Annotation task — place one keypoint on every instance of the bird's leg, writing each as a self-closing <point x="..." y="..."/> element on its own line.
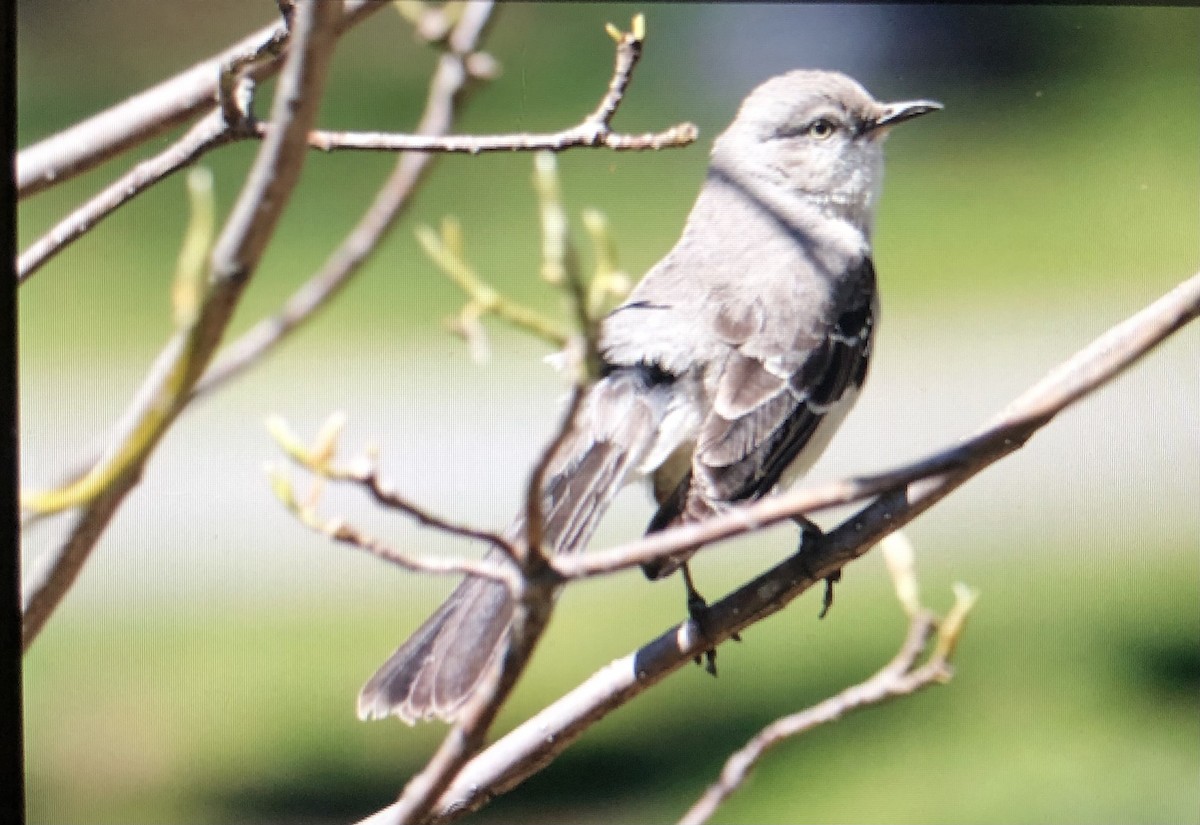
<point x="810" y="532"/>
<point x="697" y="607"/>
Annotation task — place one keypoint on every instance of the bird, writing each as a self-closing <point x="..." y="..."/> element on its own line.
<point x="725" y="372"/>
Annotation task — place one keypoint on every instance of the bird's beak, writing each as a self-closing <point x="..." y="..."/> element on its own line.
<point x="892" y="113"/>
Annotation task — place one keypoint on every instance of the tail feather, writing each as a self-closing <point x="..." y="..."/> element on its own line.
<point x="438" y="668"/>
<point x="420" y="680"/>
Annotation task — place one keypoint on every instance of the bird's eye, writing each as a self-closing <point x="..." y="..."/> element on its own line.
<point x="821" y="129"/>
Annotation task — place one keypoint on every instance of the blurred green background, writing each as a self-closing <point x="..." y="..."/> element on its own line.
<point x="205" y="667"/>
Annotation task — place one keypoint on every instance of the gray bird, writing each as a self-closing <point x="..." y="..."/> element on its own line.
<point x="727" y="370"/>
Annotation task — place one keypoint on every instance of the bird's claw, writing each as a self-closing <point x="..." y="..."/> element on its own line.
<point x="697" y="607"/>
<point x="810" y="531"/>
<point x="827" y="600"/>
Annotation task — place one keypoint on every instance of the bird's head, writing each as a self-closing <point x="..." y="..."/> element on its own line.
<point x="818" y="135"/>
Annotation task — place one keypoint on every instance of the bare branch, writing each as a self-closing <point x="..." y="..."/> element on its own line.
<point x="593" y="131"/>
<point x="234" y="259"/>
<point x="537" y="742"/>
<point x="209" y="132"/>
<point x="149" y="113"/>
<point x="343" y="532"/>
<point x="383" y="494"/>
<point x="924" y="482"/>
<point x="897" y="678"/>
<point x="629" y="52"/>
<point x="584" y="135"/>
<point x="365" y="473"/>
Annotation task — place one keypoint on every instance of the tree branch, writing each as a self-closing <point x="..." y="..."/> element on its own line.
<point x="364" y="473"/>
<point x="208" y="133"/>
<point x="344" y="533"/>
<point x="922" y="483"/>
<point x="594" y="130"/>
<point x="234" y="259"/>
<point x="589" y="135"/>
<point x="538" y="741"/>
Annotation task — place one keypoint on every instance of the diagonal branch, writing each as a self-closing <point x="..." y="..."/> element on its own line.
<point x="209" y="132"/>
<point x="924" y="482"/>
<point x="539" y="740"/>
<point x="234" y="259"/>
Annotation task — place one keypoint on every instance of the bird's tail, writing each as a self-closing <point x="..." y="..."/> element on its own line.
<point x="438" y="668"/>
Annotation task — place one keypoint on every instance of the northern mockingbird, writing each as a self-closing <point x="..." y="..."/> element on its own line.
<point x="727" y="370"/>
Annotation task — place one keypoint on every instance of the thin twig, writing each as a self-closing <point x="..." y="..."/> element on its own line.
<point x="899" y="677"/>
<point x="365" y="474"/>
<point x="445" y="250"/>
<point x="392" y="500"/>
<point x="584" y="135"/>
<point x="538" y="741"/>
<point x="343" y="532"/>
<point x="234" y="259"/>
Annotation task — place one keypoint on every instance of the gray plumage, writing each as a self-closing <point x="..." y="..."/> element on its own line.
<point x="728" y="368"/>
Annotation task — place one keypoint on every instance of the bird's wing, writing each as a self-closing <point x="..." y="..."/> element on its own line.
<point x="764" y="414"/>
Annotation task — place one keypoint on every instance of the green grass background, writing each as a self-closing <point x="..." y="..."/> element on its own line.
<point x="1070" y="182"/>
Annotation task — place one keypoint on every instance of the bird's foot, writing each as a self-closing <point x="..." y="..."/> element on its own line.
<point x="697" y="607"/>
<point x="827" y="599"/>
<point x="809" y="533"/>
